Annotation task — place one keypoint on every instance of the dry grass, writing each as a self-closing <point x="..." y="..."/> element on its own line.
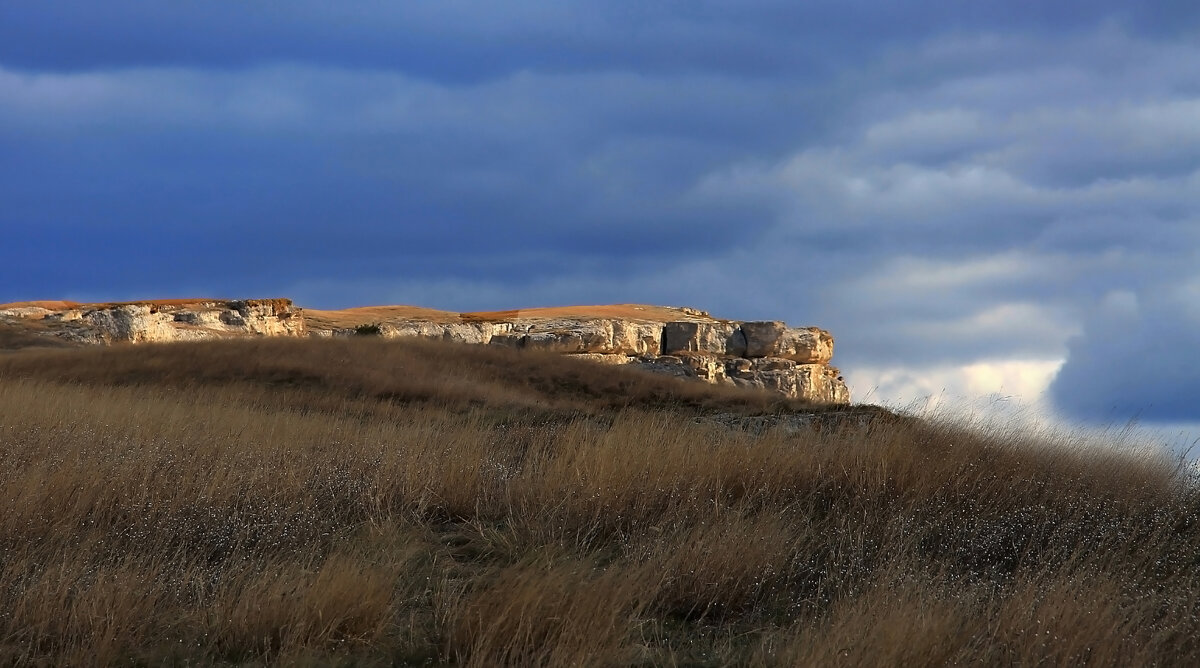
<point x="622" y="311"/>
<point x="380" y="374"/>
<point x="24" y="335"/>
<point x="365" y="315"/>
<point x="378" y="502"/>
<point x="53" y="305"/>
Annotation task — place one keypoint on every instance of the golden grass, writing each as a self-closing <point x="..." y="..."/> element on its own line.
<point x="26" y="335"/>
<point x="351" y="317"/>
<point x="365" y="315"/>
<point x="624" y="311"/>
<point x="53" y="305"/>
<point x="383" y="374"/>
<point x="377" y="502"/>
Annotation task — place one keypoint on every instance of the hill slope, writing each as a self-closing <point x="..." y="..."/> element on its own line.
<point x="675" y="341"/>
<point x="385" y="502"/>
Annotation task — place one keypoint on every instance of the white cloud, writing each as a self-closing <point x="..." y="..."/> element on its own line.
<point x="932" y="386"/>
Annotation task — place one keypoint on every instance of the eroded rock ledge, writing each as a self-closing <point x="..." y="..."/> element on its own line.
<point x="769" y="355"/>
<point x="682" y="342"/>
<point x="174" y="320"/>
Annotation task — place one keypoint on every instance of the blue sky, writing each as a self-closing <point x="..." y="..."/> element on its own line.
<point x="983" y="198"/>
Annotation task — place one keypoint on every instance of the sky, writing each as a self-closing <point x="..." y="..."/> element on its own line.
<point x="986" y="199"/>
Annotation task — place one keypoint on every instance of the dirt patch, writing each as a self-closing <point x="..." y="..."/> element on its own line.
<point x="621" y="311"/>
<point x="53" y="305"/>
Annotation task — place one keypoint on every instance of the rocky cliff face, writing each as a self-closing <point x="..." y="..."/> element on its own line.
<point x="148" y="322"/>
<point x="682" y="342"/>
<point x="768" y="355"/>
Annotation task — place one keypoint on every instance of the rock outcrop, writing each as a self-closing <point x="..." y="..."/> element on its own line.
<point x="692" y="336"/>
<point x="807" y="345"/>
<point x="148" y="322"/>
<point x="762" y="355"/>
<point x="682" y="342"/>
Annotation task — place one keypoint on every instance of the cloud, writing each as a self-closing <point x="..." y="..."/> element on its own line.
<point x="950" y="187"/>
<point x="976" y="219"/>
<point x="375" y="172"/>
<point x="468" y="42"/>
<point x="930" y="387"/>
<point x="1135" y="358"/>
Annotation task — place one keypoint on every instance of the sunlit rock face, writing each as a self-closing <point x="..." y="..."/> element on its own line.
<point x="148" y="322"/>
<point x="807" y="345"/>
<point x="766" y="356"/>
<point x="678" y="341"/>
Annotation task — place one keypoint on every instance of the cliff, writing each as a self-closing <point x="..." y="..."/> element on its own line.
<point x="159" y="321"/>
<point x="681" y="342"/>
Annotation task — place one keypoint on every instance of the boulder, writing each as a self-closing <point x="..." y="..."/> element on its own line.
<point x="716" y="338"/>
<point x="475" y="333"/>
<point x="635" y="337"/>
<point x="807" y="345"/>
<point x="586" y="336"/>
<point x="510" y="339"/>
<point x="578" y="336"/>
<point x="233" y="319"/>
<point x="819" y="383"/>
<point x="668" y="365"/>
<point x="708" y="368"/>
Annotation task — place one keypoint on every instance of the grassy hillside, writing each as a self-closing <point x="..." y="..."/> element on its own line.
<point x="372" y="502"/>
<point x="24" y="335"/>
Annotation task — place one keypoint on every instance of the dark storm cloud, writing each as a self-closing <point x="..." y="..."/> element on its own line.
<point x="384" y="178"/>
<point x="942" y="184"/>
<point x="1136" y="358"/>
<point x="469" y="41"/>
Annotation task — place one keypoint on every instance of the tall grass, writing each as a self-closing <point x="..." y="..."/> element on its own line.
<point x="301" y="502"/>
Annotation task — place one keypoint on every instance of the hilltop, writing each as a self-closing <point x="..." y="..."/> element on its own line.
<point x="678" y="341"/>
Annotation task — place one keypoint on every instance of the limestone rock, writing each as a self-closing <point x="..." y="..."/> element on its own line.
<point x="668" y="365"/>
<point x="509" y="339"/>
<point x="716" y="338"/>
<point x="765" y="355"/>
<point x="708" y="368"/>
<point x="579" y="336"/>
<point x="232" y="318"/>
<point x="570" y="336"/>
<point x="65" y="315"/>
<point x="807" y="345"/>
<point x="151" y="323"/>
<point x="133" y="323"/>
<point x="634" y="337"/>
<point x="474" y="333"/>
<point x="816" y="382"/>
<point x="29" y="312"/>
<point x="269" y="317"/>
